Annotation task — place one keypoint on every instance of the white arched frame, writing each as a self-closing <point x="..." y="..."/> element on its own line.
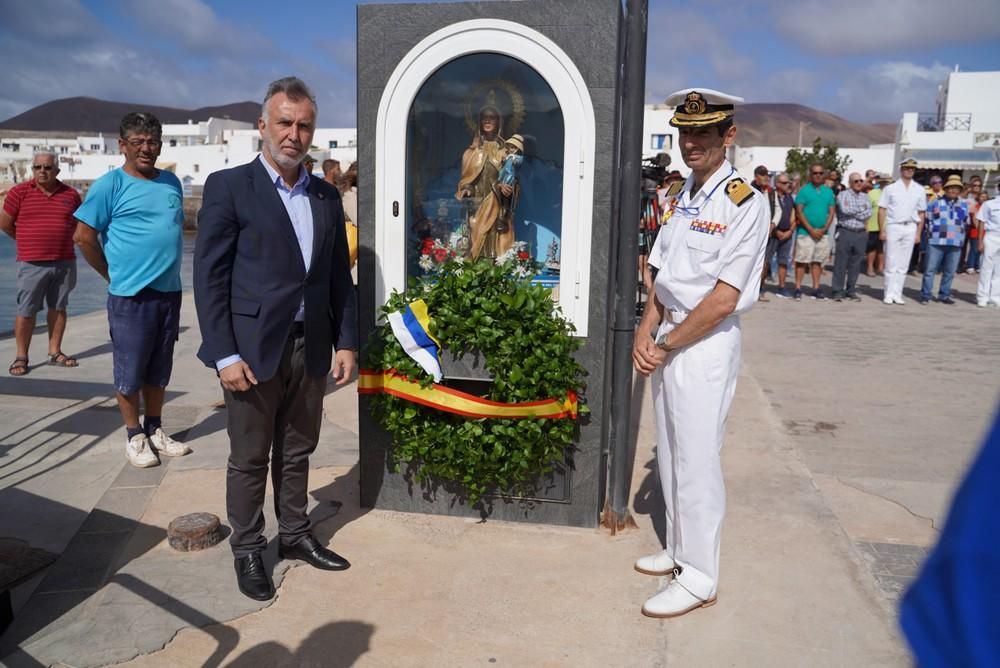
<point x="553" y="65"/>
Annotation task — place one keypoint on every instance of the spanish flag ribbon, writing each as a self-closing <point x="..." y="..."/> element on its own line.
<point x="460" y="403"/>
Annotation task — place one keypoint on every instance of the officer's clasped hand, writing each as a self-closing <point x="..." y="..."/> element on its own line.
<point x="646" y="355"/>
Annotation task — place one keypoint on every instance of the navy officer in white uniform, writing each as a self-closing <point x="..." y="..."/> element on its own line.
<point x="709" y="255"/>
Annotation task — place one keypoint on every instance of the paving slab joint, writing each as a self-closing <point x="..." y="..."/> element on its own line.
<point x="929" y="520"/>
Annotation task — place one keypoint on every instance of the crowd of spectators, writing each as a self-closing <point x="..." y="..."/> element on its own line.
<point x="827" y="221"/>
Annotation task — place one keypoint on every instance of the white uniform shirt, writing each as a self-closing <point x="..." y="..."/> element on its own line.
<point x="710" y="238"/>
<point x="903" y="204"/>
<point x="989" y="214"/>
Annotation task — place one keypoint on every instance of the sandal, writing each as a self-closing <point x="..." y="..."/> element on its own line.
<point x="62" y="359"/>
<point x="19" y="367"/>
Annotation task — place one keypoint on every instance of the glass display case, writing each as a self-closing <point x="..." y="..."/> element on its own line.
<point x="485" y="148"/>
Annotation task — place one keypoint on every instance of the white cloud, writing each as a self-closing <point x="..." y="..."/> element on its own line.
<point x="61" y="21"/>
<point x="852" y="27"/>
<point x="886" y="90"/>
<point x="691" y="47"/>
<point x="787" y="85"/>
<point x="89" y="60"/>
<point x="195" y="26"/>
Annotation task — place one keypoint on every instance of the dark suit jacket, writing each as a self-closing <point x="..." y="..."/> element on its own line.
<point x="249" y="278"/>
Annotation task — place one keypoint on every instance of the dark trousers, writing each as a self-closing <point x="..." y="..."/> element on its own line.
<point x="847" y="260"/>
<point x="280" y="417"/>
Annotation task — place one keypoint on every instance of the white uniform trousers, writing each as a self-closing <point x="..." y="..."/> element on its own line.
<point x="899" y="239"/>
<point x="692" y="393"/>
<point x="988" y="290"/>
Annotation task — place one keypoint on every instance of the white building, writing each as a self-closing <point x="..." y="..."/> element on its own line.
<point x="877" y="156"/>
<point x="211" y="131"/>
<point x="658" y="136"/>
<point x="962" y="134"/>
<point x="190" y="150"/>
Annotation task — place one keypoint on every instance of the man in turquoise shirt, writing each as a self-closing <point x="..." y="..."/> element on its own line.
<point x="130" y="230"/>
<point x="815" y="204"/>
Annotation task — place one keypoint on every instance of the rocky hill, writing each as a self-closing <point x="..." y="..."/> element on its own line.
<point x="87" y="114"/>
<point x="771" y="124"/>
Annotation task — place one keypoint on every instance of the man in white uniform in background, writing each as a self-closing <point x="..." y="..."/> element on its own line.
<point x="988" y="219"/>
<point x="709" y="254"/>
<point x="901" y="214"/>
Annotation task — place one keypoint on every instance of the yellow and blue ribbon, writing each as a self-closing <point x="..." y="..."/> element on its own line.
<point x="411" y="327"/>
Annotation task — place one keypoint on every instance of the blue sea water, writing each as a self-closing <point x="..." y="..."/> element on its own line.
<point x="90" y="294"/>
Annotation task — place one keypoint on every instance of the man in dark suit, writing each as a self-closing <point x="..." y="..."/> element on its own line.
<point x="274" y="296"/>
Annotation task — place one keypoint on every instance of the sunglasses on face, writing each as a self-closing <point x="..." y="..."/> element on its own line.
<point x="44" y="168"/>
<point x="783" y="183"/>
<point x="857" y="180"/>
<point x="817" y="173"/>
<point x="138" y="143"/>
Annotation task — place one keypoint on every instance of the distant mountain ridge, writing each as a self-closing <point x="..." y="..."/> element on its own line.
<point x="778" y="124"/>
<point x="761" y="124"/>
<point x="87" y="114"/>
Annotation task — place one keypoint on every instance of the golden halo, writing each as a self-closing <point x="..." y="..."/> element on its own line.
<point x="493" y="92"/>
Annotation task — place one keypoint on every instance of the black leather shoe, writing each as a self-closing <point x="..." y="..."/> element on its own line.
<point x="310" y="551"/>
<point x="252" y="579"/>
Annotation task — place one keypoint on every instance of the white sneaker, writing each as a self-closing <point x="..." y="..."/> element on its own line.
<point x="166" y="445"/>
<point x="140" y="453"/>
<point x="660" y="563"/>
<point x="887" y="301"/>
<point x="674" y="601"/>
<point x="981" y="304"/>
<point x="898" y="300"/>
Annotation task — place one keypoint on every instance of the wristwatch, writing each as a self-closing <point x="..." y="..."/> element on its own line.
<point x="662" y="344"/>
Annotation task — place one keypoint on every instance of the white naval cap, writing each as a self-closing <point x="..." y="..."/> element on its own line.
<point x="696" y="107"/>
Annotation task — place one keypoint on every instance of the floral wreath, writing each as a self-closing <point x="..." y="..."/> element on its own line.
<point x="492" y="308"/>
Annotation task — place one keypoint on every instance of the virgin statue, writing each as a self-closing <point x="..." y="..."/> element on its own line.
<point x="490" y="204"/>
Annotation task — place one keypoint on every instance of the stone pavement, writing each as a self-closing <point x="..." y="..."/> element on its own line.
<point x="840" y="461"/>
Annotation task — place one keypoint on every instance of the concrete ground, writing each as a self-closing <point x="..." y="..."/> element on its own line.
<point x="851" y="426"/>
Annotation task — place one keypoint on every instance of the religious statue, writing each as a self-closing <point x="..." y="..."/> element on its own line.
<point x="490" y="200"/>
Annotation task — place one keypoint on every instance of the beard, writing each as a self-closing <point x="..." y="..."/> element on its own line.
<point x="282" y="159"/>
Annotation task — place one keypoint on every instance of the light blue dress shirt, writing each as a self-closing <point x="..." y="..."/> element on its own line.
<point x="296" y="201"/>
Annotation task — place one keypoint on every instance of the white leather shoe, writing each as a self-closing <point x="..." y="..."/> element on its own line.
<point x="887" y="301"/>
<point x="898" y="300"/>
<point x="165" y="445"/>
<point x="674" y="601"/>
<point x="660" y="563"/>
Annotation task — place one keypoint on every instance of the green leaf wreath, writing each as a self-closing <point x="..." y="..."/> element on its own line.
<point x="490" y="307"/>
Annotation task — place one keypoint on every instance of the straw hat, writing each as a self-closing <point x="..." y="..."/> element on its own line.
<point x="517" y="141"/>
<point x="954" y="181"/>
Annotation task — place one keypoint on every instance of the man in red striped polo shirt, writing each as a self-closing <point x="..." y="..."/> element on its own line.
<point x="38" y="215"/>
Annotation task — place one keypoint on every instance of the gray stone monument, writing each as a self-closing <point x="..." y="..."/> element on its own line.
<point x="429" y="78"/>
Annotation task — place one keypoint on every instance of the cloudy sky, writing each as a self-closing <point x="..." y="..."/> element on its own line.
<point x="867" y="61"/>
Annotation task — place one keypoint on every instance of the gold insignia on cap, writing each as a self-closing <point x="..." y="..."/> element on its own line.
<point x="694" y="103"/>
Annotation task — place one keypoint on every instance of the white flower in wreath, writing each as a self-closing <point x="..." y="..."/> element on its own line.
<point x="426" y="262"/>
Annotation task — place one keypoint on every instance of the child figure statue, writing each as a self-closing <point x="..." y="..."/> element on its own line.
<point x="512" y="163"/>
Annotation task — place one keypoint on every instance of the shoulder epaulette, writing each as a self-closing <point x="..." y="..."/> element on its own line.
<point x="738" y="191"/>
<point x="675" y="189"/>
